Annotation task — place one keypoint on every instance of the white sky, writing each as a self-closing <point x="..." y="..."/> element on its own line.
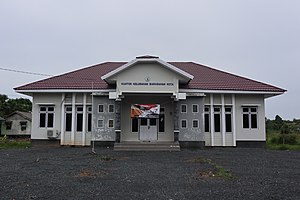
<point x="252" y="38"/>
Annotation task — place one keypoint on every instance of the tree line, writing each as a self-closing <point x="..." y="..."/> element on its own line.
<point x="8" y="106"/>
<point x="279" y="125"/>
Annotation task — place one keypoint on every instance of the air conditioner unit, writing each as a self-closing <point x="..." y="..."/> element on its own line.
<point x="50" y="134"/>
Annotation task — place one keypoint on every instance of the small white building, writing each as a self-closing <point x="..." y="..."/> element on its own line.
<point x="198" y="105"/>
<point x="17" y="124"/>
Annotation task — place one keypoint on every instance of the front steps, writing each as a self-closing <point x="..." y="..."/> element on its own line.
<point x="147" y="146"/>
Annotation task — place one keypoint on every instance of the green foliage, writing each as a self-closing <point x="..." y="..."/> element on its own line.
<point x="284" y="147"/>
<point x="217" y="171"/>
<point x="284" y="139"/>
<point x="8" y="106"/>
<point x="6" y="143"/>
<point x="282" y="126"/>
<point x="285" y="129"/>
<point x="283" y="134"/>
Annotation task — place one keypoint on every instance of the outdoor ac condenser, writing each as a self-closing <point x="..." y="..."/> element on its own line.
<point x="50" y="133"/>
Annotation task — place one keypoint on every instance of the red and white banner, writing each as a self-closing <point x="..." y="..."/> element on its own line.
<point x="145" y="110"/>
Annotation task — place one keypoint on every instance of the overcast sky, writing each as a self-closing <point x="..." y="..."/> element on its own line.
<point x="252" y="38"/>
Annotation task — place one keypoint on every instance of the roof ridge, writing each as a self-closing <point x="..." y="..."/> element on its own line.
<point x="22" y="113"/>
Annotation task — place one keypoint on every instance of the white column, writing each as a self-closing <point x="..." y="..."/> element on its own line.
<point x="212" y="121"/>
<point x="62" y="120"/>
<point x="73" y="119"/>
<point x="84" y="120"/>
<point x="223" y="119"/>
<point x="233" y="121"/>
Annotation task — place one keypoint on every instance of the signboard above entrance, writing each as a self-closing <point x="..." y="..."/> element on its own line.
<point x="144" y="110"/>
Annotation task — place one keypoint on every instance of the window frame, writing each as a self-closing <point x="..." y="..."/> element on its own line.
<point x="102" y="105"/>
<point x="162" y="115"/>
<point x="197" y="106"/>
<point x="113" y="123"/>
<point x="47" y="111"/>
<point x="131" y="125"/>
<point x="99" y="123"/>
<point x="79" y="112"/>
<point x="219" y="113"/>
<point x="89" y="110"/>
<point x="181" y="105"/>
<point x="226" y="114"/>
<point x="207" y="113"/>
<point x="8" y="125"/>
<point x="68" y="112"/>
<point x="195" y="120"/>
<point x="23" y="125"/>
<point x="249" y="113"/>
<point x="186" y="123"/>
<point x="113" y="108"/>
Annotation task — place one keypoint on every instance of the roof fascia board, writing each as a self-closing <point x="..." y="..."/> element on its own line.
<point x="169" y="66"/>
<point x="231" y="91"/>
<point x="115" y="71"/>
<point x="64" y="90"/>
<point x="179" y="71"/>
<point x="20" y="114"/>
<point x="180" y="90"/>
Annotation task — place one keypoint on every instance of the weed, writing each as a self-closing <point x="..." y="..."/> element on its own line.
<point x="221" y="172"/>
<point x="216" y="171"/>
<point x="5" y="143"/>
<point x="106" y="158"/>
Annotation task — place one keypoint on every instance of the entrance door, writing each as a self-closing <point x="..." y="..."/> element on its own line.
<point x="148" y="129"/>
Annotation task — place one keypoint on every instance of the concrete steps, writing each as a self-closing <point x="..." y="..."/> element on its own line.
<point x="147" y="146"/>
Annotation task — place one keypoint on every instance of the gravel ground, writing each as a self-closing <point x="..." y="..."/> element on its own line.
<point x="76" y="173"/>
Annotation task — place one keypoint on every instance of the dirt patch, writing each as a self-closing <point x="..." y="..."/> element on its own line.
<point x="86" y="173"/>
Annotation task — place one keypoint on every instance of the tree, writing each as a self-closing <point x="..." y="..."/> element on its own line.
<point x="278" y="122"/>
<point x="3" y="99"/>
<point x="8" y="106"/>
<point x="285" y="129"/>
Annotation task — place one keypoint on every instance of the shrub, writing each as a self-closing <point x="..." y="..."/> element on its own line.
<point x="284" y="139"/>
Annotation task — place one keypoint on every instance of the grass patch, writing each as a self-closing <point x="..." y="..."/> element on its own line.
<point x="283" y="146"/>
<point x="103" y="157"/>
<point x="216" y="171"/>
<point x="277" y="141"/>
<point x="106" y="158"/>
<point x="6" y="143"/>
<point x="221" y="172"/>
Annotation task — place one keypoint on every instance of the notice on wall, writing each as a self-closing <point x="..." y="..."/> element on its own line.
<point x="145" y="110"/>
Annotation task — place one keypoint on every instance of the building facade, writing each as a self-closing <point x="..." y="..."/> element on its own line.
<point x="198" y="105"/>
<point x="17" y="124"/>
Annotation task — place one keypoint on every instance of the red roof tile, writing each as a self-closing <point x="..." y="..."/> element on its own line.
<point x="205" y="78"/>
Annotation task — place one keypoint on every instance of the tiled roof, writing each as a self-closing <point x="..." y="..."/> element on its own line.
<point x="25" y="115"/>
<point x="205" y="78"/>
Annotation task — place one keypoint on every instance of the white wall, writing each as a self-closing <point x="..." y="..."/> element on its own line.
<point x="242" y="134"/>
<point x="45" y="99"/>
<point x="156" y="74"/>
<point x="258" y="134"/>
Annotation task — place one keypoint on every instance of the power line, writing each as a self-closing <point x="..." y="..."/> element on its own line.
<point x="24" y="72"/>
